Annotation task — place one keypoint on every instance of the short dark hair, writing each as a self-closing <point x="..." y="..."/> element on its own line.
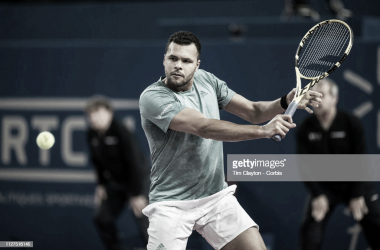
<point x="185" y="38"/>
<point x="96" y="102"/>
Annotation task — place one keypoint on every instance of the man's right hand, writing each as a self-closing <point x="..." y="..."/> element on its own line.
<point x="319" y="207"/>
<point x="358" y="208"/>
<point x="279" y="125"/>
<point x="100" y="194"/>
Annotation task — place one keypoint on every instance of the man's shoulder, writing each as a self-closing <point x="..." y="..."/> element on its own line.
<point x="203" y="75"/>
<point x="348" y="118"/>
<point x="308" y="121"/>
<point x="346" y="115"/>
<point x="118" y="126"/>
<point x="201" y="72"/>
<point x="155" y="86"/>
<point x="157" y="89"/>
<point x="206" y="79"/>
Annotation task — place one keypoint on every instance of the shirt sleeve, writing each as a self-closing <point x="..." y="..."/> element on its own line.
<point x="223" y="93"/>
<point x="159" y="106"/>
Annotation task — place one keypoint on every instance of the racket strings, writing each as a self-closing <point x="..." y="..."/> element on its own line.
<point x="322" y="58"/>
<point x="313" y="48"/>
<point x="318" y="44"/>
<point x="332" y="47"/>
<point x="323" y="49"/>
<point x="336" y="47"/>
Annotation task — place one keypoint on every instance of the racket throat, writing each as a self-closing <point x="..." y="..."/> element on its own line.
<point x="310" y="85"/>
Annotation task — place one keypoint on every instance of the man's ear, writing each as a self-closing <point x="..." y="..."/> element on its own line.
<point x="336" y="100"/>
<point x="163" y="62"/>
<point x="198" y="63"/>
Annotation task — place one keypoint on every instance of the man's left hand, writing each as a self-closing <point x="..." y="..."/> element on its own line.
<point x="311" y="98"/>
<point x="138" y="203"/>
<point x="358" y="208"/>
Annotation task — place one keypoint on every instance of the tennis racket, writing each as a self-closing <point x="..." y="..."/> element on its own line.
<point x="320" y="52"/>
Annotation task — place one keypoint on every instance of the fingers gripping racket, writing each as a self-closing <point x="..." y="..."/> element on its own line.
<point x="320" y="52"/>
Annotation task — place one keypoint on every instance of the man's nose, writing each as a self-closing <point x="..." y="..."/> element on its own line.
<point x="178" y="65"/>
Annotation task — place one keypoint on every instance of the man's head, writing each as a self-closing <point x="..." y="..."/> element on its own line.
<point x="185" y="38"/>
<point x="329" y="89"/>
<point x="99" y="112"/>
<point x="181" y="60"/>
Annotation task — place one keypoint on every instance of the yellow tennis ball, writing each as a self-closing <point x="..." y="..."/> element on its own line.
<point x="45" y="140"/>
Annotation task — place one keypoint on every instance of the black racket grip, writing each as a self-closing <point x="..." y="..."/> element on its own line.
<point x="290" y="110"/>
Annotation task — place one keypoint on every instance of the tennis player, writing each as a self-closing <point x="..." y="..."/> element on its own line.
<point x="180" y="117"/>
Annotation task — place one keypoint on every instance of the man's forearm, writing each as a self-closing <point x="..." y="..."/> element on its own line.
<point x="228" y="131"/>
<point x="254" y="112"/>
<point x="265" y="111"/>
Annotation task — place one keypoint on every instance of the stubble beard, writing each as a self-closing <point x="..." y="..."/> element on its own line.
<point x="176" y="86"/>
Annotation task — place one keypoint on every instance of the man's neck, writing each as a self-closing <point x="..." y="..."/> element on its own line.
<point x="183" y="88"/>
<point x="326" y="118"/>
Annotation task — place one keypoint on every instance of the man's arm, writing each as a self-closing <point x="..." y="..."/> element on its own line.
<point x="254" y="112"/>
<point x="194" y="122"/>
<point x="100" y="191"/>
<point x="98" y="167"/>
<point x="259" y="112"/>
<point x="131" y="159"/>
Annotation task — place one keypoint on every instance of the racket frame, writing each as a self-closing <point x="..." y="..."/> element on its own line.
<point x="314" y="80"/>
<point x="300" y="92"/>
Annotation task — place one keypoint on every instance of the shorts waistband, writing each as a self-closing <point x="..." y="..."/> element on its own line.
<point x="190" y="204"/>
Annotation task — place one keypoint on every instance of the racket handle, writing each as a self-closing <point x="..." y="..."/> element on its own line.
<point x="289" y="111"/>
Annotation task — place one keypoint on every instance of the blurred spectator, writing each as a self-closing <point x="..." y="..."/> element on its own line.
<point x="318" y="135"/>
<point x="304" y="9"/>
<point x="120" y="170"/>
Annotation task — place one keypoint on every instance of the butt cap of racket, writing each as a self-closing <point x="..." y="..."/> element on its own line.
<point x="276" y="138"/>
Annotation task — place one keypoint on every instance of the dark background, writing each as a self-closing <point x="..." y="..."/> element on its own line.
<point x="70" y="50"/>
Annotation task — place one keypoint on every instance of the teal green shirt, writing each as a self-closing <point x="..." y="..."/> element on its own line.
<point x="184" y="166"/>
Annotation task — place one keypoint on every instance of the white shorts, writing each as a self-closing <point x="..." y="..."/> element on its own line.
<point x="219" y="218"/>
